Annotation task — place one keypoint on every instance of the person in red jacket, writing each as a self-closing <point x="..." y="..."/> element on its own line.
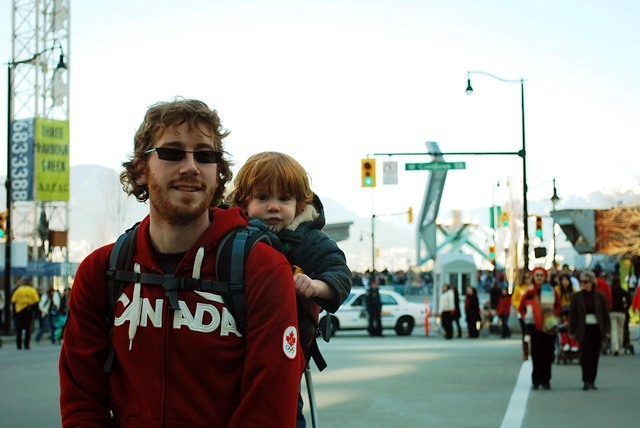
<point x="602" y="285"/>
<point x="635" y="306"/>
<point x="181" y="363"/>
<point x="503" y="310"/>
<point x="539" y="305"/>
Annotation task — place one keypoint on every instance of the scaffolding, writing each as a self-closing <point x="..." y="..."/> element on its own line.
<point x="38" y="87"/>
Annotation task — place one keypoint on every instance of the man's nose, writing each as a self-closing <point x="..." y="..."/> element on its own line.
<point x="189" y="162"/>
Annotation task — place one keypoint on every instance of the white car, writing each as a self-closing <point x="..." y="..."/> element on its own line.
<point x="397" y="313"/>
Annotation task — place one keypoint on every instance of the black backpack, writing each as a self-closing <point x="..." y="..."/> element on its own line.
<point x="232" y="252"/>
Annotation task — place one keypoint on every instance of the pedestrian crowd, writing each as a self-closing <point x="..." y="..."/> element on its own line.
<point x="571" y="314"/>
<point x="563" y="315"/>
<point x="31" y="309"/>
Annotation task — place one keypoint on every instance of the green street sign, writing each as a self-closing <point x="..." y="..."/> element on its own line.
<point x="434" y="166"/>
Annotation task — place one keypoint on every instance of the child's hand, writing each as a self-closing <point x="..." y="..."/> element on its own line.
<point x="305" y="286"/>
<point x="310" y="288"/>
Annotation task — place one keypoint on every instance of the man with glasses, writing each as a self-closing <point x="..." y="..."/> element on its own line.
<point x="539" y="305"/>
<point x="184" y="362"/>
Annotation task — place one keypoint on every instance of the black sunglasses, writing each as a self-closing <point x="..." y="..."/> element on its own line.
<point x="176" y="155"/>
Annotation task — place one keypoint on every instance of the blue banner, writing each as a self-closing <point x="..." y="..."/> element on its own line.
<point x="40" y="268"/>
<point x="21" y="143"/>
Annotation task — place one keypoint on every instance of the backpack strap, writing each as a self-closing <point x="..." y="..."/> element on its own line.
<point x="231" y="255"/>
<point x="119" y="259"/>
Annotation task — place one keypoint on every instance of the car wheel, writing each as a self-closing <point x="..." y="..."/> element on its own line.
<point x="333" y="327"/>
<point x="404" y="326"/>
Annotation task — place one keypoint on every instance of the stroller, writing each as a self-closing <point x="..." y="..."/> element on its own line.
<point x="490" y="320"/>
<point x="567" y="348"/>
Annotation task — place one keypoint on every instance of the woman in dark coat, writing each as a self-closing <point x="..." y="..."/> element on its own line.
<point x="472" y="312"/>
<point x="457" y="314"/>
<point x="589" y="323"/>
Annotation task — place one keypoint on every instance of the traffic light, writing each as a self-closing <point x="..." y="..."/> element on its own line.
<point x="492" y="254"/>
<point x="410" y="214"/>
<point x="3" y="224"/>
<point x="504" y="218"/>
<point x="539" y="226"/>
<point x="368" y="172"/>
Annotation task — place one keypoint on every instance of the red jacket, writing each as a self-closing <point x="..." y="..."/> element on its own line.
<point x="187" y="368"/>
<point x="603" y="286"/>
<point x="635" y="303"/>
<point x="532" y="298"/>
<point x="504" y="305"/>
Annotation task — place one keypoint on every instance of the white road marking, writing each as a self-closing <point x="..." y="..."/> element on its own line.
<point x="514" y="415"/>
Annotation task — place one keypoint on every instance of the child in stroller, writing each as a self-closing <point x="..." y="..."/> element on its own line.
<point x="567" y="349"/>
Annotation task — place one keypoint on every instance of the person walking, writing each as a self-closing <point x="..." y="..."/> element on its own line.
<point x="180" y="359"/>
<point x="1" y="311"/>
<point x="447" y="310"/>
<point x="49" y="307"/>
<point x="494" y="294"/>
<point x="504" y="310"/>
<point x="374" y="307"/>
<point x="588" y="324"/>
<point x="24" y="300"/>
<point x="603" y="285"/>
<point x="516" y="297"/>
<point x="575" y="284"/>
<point x="635" y="307"/>
<point x="618" y="314"/>
<point x="565" y="290"/>
<point x="457" y="313"/>
<point x="538" y="307"/>
<point x="472" y="312"/>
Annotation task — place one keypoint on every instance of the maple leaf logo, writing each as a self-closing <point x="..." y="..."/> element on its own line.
<point x="291" y="339"/>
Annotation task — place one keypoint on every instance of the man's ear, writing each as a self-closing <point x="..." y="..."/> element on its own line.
<point x="141" y="171"/>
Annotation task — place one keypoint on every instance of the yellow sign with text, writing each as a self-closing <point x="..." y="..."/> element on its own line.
<point x="51" y="160"/>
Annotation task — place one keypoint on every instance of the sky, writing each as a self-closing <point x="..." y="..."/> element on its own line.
<point x="330" y="82"/>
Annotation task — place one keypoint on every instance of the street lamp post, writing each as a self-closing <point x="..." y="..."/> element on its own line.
<point x="554" y="200"/>
<point x="522" y="153"/>
<point x="8" y="227"/>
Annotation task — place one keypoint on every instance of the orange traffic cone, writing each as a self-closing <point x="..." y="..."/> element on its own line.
<point x="426" y="316"/>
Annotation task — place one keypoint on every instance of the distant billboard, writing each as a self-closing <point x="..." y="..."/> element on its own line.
<point x="21" y="144"/>
<point x="51" y="160"/>
<point x="39" y="159"/>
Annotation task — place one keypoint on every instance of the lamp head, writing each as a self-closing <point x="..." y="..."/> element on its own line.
<point x="469" y="90"/>
<point x="555" y="198"/>
<point x="61" y="65"/>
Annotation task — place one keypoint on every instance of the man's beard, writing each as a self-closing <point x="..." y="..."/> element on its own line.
<point x="176" y="213"/>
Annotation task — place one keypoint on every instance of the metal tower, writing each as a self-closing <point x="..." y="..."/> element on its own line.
<point x="39" y="88"/>
<point x="426" y="246"/>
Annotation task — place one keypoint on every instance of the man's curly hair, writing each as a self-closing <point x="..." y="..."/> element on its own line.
<point x="163" y="115"/>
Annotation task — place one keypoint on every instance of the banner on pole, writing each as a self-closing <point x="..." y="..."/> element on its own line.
<point x="21" y="136"/>
<point x="51" y="155"/>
